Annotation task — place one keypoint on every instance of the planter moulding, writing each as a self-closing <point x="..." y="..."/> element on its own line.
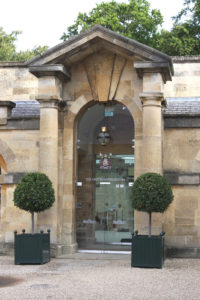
<point x="147" y="251"/>
<point x="32" y="248"/>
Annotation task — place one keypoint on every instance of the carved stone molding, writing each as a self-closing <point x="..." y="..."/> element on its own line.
<point x="154" y="67"/>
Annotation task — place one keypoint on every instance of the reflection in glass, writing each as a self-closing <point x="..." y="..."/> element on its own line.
<point x="105" y="174"/>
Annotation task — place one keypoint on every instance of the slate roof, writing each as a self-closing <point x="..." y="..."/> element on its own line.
<point x="183" y="107"/>
<point x="175" y="107"/>
<point x="26" y="109"/>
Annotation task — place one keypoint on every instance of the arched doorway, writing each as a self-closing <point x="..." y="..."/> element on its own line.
<point x="104" y="176"/>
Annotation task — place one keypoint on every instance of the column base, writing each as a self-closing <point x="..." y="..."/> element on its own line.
<point x="175" y="252"/>
<point x="61" y="249"/>
<point x="7" y="249"/>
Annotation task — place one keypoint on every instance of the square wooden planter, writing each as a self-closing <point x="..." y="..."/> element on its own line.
<point x="147" y="252"/>
<point x="32" y="248"/>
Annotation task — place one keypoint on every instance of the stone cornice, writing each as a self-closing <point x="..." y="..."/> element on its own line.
<point x="176" y="178"/>
<point x="94" y="34"/>
<point x="58" y="71"/>
<point x="154" y="67"/>
<point x="186" y="59"/>
<point x="11" y="178"/>
<point x="12" y="64"/>
<point x="8" y="104"/>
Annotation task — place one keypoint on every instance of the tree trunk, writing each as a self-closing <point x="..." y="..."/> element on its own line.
<point x="150" y="224"/>
<point x="32" y="222"/>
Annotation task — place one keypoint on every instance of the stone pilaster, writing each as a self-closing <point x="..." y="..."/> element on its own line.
<point x="152" y="132"/>
<point x="50" y="89"/>
<point x="48" y="159"/>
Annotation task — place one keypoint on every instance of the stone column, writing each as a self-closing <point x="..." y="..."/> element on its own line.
<point x="152" y="132"/>
<point x="152" y="147"/>
<point x="48" y="158"/>
<point x="152" y="135"/>
<point x="50" y="88"/>
<point x="154" y="75"/>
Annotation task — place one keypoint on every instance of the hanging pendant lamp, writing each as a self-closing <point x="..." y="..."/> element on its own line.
<point x="104" y="137"/>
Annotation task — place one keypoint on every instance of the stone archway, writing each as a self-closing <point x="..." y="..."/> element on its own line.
<point x="104" y="176"/>
<point x="97" y="65"/>
<point x="67" y="222"/>
<point x="7" y="155"/>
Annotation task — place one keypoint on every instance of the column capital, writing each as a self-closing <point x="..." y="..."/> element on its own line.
<point x="151" y="96"/>
<point x="152" y="99"/>
<point x="163" y="67"/>
<point x="49" y="103"/>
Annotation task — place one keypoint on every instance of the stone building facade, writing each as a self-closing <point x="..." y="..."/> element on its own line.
<point x="51" y="111"/>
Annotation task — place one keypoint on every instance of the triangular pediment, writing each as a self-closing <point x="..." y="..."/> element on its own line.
<point x="94" y="40"/>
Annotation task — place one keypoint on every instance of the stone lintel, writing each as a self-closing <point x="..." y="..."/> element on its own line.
<point x="176" y="178"/>
<point x="11" y="178"/>
<point x="154" y="67"/>
<point x="58" y="71"/>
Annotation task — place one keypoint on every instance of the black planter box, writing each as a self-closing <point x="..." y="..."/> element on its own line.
<point x="147" y="252"/>
<point x="32" y="248"/>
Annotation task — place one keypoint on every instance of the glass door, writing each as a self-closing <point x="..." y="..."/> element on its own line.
<point x="105" y="174"/>
<point x="113" y="211"/>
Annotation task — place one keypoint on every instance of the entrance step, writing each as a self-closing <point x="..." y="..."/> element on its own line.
<point x="96" y="256"/>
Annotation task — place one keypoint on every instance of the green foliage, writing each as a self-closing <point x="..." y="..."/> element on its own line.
<point x="190" y="12"/>
<point x="137" y="21"/>
<point x="8" y="49"/>
<point x="184" y="38"/>
<point x="179" y="41"/>
<point x="151" y="193"/>
<point x="34" y="193"/>
<point x="28" y="54"/>
<point x="134" y="20"/>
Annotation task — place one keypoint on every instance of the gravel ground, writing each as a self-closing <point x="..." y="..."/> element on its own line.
<point x="102" y="276"/>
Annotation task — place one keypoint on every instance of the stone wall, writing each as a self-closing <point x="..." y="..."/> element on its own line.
<point x="185" y="82"/>
<point x="20" y="152"/>
<point x="182" y="165"/>
<point x="20" y="148"/>
<point x="182" y="161"/>
<point x="17" y="83"/>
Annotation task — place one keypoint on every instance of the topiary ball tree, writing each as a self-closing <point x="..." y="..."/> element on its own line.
<point x="151" y="192"/>
<point x="34" y="193"/>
